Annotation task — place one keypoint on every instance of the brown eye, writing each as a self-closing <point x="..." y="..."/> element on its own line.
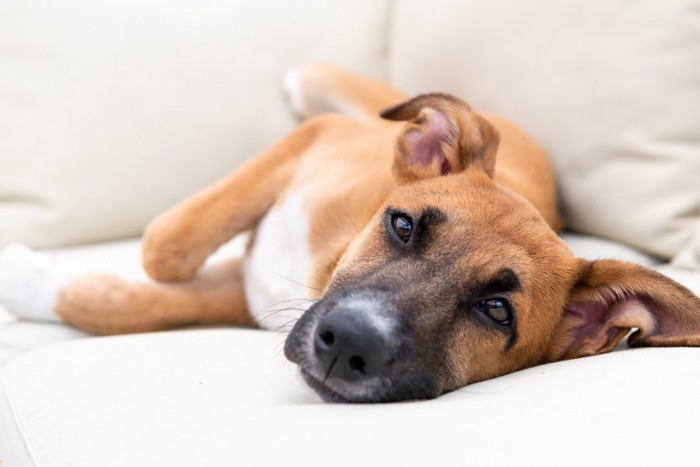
<point x="496" y="309"/>
<point x="402" y="226"/>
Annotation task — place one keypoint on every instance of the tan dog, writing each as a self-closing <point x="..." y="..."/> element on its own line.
<point x="425" y="240"/>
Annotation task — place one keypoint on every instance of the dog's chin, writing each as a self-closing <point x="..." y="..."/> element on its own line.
<point x="326" y="393"/>
<point x="329" y="393"/>
<point x="333" y="395"/>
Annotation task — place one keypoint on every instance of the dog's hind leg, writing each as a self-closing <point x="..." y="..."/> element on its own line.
<point x="107" y="304"/>
<point x="323" y="87"/>
<point x="34" y="286"/>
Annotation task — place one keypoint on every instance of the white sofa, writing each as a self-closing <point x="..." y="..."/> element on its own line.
<point x="112" y="111"/>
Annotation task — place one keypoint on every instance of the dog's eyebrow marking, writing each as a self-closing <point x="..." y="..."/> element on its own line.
<point x="429" y="218"/>
<point x="503" y="282"/>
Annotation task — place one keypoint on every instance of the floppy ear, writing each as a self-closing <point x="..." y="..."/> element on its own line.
<point x="612" y="297"/>
<point x="442" y="135"/>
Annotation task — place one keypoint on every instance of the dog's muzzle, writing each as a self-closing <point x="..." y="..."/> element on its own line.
<point x="351" y="350"/>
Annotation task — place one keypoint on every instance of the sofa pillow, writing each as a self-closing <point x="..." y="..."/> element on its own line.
<point x="611" y="89"/>
<point x="112" y="111"/>
<point x="689" y="257"/>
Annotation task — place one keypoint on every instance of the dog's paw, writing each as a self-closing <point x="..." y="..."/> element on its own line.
<point x="320" y="88"/>
<point x="293" y="92"/>
<point x="29" y="283"/>
<point x="311" y="90"/>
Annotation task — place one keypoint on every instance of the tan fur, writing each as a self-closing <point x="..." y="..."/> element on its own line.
<point x="106" y="304"/>
<point x="495" y="185"/>
<point x="544" y="263"/>
<point x="177" y="242"/>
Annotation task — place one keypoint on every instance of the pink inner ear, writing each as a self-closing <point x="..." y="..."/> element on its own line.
<point x="601" y="324"/>
<point x="590" y="315"/>
<point x="427" y="142"/>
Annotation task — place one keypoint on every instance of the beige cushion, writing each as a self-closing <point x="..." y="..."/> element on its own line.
<point x="689" y="257"/>
<point x="112" y="111"/>
<point x="611" y="89"/>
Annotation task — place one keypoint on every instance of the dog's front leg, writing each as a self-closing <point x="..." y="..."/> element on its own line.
<point x="177" y="242"/>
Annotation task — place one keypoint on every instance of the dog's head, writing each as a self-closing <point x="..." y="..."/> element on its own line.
<point x="457" y="280"/>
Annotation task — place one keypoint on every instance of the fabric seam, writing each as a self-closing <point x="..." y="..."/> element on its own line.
<point x="15" y="420"/>
<point x="391" y="8"/>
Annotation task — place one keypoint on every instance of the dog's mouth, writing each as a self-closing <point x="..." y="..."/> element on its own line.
<point x="333" y="390"/>
<point x="323" y="390"/>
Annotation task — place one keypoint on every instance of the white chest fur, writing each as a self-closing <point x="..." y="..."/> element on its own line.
<point x="279" y="266"/>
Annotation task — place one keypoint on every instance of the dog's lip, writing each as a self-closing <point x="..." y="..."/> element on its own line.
<point x="326" y="393"/>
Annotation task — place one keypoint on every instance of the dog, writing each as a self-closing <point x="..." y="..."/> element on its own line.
<point x="419" y="235"/>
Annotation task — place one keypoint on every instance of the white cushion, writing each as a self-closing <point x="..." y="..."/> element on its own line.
<point x="113" y="111"/>
<point x="228" y="397"/>
<point x="611" y="89"/>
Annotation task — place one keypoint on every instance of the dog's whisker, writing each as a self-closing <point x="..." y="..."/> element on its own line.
<point x="295" y="301"/>
<point x="279" y="308"/>
<point x="277" y="313"/>
<point x="272" y="307"/>
<point x="301" y="284"/>
<point x="287" y="326"/>
<point x="350" y="217"/>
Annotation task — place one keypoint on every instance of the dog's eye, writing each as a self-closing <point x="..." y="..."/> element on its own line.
<point x="497" y="309"/>
<point x="402" y="226"/>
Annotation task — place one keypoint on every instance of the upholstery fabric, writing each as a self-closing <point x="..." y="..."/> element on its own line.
<point x="228" y="397"/>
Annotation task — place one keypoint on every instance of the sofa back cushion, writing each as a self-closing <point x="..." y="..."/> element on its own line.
<point x="611" y="89"/>
<point x="110" y="112"/>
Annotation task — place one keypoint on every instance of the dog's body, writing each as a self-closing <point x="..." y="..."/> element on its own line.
<point x="340" y="180"/>
<point x="425" y="242"/>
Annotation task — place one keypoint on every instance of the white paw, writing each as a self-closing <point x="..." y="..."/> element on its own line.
<point x="291" y="87"/>
<point x="29" y="283"/>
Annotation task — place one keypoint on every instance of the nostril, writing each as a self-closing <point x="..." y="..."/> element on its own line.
<point x="327" y="337"/>
<point x="349" y="346"/>
<point x="357" y="363"/>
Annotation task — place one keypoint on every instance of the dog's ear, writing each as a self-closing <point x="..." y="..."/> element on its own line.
<point x="611" y="298"/>
<point x="442" y="135"/>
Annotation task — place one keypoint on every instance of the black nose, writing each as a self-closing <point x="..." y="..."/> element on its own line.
<point x="349" y="346"/>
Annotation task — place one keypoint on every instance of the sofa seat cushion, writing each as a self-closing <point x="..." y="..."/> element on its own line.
<point x="228" y="397"/>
